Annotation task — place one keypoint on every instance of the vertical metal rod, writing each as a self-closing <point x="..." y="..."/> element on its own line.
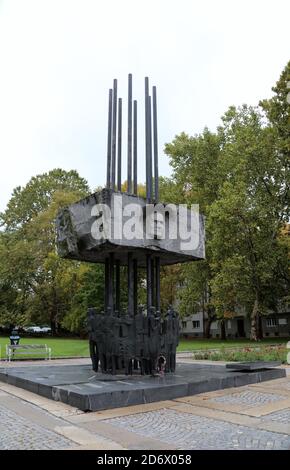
<point x="111" y="281"/>
<point x="129" y="174"/>
<point x="109" y="143"/>
<point x="131" y="299"/>
<point x="149" y="282"/>
<point x="147" y="135"/>
<point x="153" y="282"/>
<point x="130" y="285"/>
<point x="135" y="188"/>
<point x="119" y="176"/>
<point x="113" y="169"/>
<point x="150" y="149"/>
<point x="118" y="291"/>
<point x="157" y="283"/>
<point x="107" y="269"/>
<point x="135" y="271"/>
<point x="155" y="146"/>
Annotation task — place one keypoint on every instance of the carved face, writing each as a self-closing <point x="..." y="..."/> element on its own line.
<point x="156" y="227"/>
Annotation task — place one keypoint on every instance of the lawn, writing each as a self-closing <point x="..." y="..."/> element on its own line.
<point x="198" y="344"/>
<point x="65" y="347"/>
<point x="60" y="347"/>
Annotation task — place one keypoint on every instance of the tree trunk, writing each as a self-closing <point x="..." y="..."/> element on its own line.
<point x="260" y="328"/>
<point x="208" y="321"/>
<point x="223" y="329"/>
<point x="255" y="320"/>
<point x="52" y="325"/>
<point x="206" y="334"/>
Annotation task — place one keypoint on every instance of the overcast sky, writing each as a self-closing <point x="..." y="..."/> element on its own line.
<point x="58" y="59"/>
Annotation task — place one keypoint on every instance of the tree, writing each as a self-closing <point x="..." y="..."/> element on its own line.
<point x="89" y="294"/>
<point x="240" y="177"/>
<point x="27" y="202"/>
<point x="196" y="180"/>
<point x="35" y="283"/>
<point x="277" y="111"/>
<point x="246" y="218"/>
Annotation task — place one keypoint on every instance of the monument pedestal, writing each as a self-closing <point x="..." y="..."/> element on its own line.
<point x="82" y="388"/>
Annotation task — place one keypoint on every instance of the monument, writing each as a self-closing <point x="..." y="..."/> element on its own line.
<point x="120" y="228"/>
<point x="131" y="235"/>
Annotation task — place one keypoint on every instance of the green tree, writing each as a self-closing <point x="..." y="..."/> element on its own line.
<point x="196" y="181"/>
<point x="29" y="201"/>
<point x="35" y="283"/>
<point x="240" y="178"/>
<point x="246" y="218"/>
<point x="90" y="294"/>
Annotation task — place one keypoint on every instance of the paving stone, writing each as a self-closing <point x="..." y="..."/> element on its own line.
<point x="19" y="433"/>
<point x="188" y="431"/>
<point x="248" y="397"/>
<point x="282" y="416"/>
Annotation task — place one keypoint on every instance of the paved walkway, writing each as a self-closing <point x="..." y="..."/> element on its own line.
<point x="251" y="417"/>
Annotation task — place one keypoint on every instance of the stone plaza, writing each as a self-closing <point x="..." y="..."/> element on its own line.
<point x="254" y="416"/>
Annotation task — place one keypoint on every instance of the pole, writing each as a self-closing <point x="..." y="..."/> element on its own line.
<point x="109" y="143"/>
<point x="111" y="281"/>
<point x="149" y="150"/>
<point x="135" y="271"/>
<point x="119" y="176"/>
<point x="149" y="282"/>
<point x="157" y="285"/>
<point x="153" y="290"/>
<point x="113" y="169"/>
<point x="155" y="146"/>
<point x="129" y="173"/>
<point x="130" y="285"/>
<point x="135" y="188"/>
<point x="118" y="303"/>
<point x="147" y="135"/>
<point x="107" y="270"/>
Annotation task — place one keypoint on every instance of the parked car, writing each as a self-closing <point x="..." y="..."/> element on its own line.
<point x="45" y="329"/>
<point x="37" y="329"/>
<point x="32" y="329"/>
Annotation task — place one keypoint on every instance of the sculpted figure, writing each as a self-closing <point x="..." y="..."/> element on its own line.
<point x="171" y="327"/>
<point x="154" y="339"/>
<point x="94" y="352"/>
<point x="140" y="342"/>
<point x="127" y="345"/>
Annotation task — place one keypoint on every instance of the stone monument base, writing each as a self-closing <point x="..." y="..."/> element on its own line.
<point x="89" y="391"/>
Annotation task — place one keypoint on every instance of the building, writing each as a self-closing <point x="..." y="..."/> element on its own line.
<point x="273" y="325"/>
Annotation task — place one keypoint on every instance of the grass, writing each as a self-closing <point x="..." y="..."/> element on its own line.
<point x="60" y="347"/>
<point x="204" y="344"/>
<point x="67" y="347"/>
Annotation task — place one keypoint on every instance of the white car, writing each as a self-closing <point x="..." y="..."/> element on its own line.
<point x="45" y="329"/>
<point x="38" y="329"/>
<point x="33" y="329"/>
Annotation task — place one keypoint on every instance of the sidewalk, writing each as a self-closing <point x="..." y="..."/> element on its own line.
<point x="251" y="417"/>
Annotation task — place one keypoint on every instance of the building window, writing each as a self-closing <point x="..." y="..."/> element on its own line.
<point x="195" y="324"/>
<point x="282" y="321"/>
<point x="271" y="322"/>
<point x="184" y="323"/>
<point x="229" y="324"/>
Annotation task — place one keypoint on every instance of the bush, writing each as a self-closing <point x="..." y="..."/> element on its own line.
<point x="278" y="353"/>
